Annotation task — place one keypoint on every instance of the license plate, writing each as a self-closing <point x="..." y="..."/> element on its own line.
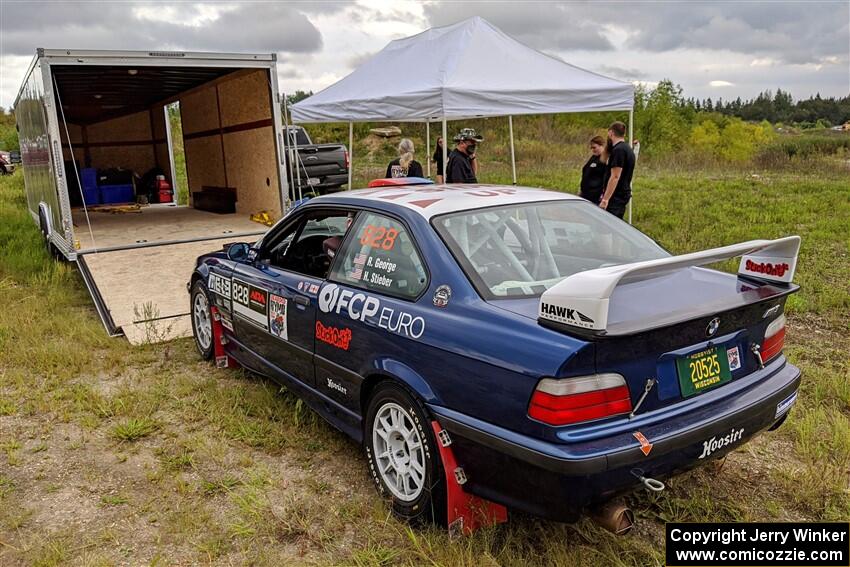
<point x="313" y="181"/>
<point x="703" y="371"/>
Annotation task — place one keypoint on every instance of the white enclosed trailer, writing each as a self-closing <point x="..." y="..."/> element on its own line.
<point x="108" y="109"/>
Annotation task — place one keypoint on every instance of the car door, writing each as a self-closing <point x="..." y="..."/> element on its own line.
<point x="274" y="296"/>
<point x="368" y="309"/>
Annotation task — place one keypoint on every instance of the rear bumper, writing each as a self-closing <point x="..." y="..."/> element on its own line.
<point x="325" y="181"/>
<point x="558" y="480"/>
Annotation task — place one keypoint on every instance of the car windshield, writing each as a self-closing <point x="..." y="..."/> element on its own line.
<point x="522" y="250"/>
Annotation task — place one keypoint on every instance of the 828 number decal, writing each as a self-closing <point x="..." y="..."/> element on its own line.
<point x="240" y="292"/>
<point x="378" y="237"/>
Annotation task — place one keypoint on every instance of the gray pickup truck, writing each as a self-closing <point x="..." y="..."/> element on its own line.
<point x="321" y="168"/>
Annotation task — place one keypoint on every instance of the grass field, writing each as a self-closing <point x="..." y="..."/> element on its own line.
<point x="112" y="454"/>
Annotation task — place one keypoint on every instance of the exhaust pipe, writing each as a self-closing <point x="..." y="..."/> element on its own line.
<point x="615" y="517"/>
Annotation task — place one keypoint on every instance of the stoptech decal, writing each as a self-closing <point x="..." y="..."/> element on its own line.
<point x="340" y="338"/>
<point x="717" y="443"/>
<point x="219" y="285"/>
<point x="366" y="308"/>
<point x="767" y="268"/>
<point x="565" y="315"/>
<point x="250" y="302"/>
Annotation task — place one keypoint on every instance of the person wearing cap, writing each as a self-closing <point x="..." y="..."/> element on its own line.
<point x="461" y="167"/>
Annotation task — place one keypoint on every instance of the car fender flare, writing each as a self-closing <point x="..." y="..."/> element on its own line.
<point x="385" y="368"/>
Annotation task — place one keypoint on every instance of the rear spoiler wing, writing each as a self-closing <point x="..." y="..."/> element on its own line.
<point x="581" y="300"/>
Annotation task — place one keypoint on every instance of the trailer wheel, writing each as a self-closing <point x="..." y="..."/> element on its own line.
<point x="403" y="457"/>
<point x="199" y="309"/>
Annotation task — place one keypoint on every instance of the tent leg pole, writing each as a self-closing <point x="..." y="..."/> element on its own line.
<point x="513" y="155"/>
<point x="631" y="144"/>
<point x="350" y="153"/>
<point x="445" y="153"/>
<point x="428" y="146"/>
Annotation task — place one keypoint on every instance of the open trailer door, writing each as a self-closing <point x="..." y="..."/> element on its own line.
<point x="109" y="112"/>
<point x="141" y="292"/>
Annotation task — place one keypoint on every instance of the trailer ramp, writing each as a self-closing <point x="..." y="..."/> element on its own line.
<point x="141" y="291"/>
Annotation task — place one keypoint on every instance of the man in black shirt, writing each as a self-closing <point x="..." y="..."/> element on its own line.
<point x="618" y="174"/>
<point x="460" y="168"/>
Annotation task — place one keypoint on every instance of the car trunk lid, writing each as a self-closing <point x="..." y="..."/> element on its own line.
<point x="673" y="329"/>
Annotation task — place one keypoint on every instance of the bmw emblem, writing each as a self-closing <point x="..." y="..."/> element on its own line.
<point x="713" y="325"/>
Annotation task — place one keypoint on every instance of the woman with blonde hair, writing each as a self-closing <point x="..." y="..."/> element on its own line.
<point x="404" y="165"/>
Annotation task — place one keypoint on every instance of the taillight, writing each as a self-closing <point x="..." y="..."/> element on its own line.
<point x="574" y="400"/>
<point x="774" y="339"/>
<point x="347" y="160"/>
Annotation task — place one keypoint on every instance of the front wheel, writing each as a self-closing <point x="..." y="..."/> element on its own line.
<point x="201" y="320"/>
<point x="403" y="457"/>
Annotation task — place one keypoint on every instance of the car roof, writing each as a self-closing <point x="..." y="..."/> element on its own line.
<point x="433" y="200"/>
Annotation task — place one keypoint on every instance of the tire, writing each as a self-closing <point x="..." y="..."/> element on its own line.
<point x="199" y="312"/>
<point x="417" y="494"/>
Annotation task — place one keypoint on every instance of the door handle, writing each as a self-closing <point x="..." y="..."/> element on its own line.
<point x="302" y="301"/>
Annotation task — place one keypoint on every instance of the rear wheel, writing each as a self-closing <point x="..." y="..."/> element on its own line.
<point x="201" y="320"/>
<point x="402" y="453"/>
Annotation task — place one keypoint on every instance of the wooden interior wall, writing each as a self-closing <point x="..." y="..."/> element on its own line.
<point x="229" y="140"/>
<point x="249" y="147"/>
<point x="76" y="132"/>
<point x="204" y="155"/>
<point x="252" y="168"/>
<point x="160" y="136"/>
<point x="124" y="142"/>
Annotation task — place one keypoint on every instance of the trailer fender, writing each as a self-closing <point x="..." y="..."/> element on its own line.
<point x="44" y="222"/>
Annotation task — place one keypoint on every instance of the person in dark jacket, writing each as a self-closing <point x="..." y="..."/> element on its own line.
<point x="404" y="165"/>
<point x="593" y="172"/>
<point x="460" y="168"/>
<point x="618" y="174"/>
<point x="438" y="159"/>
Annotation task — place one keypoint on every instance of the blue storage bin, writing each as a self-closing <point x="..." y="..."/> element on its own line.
<point x="111" y="194"/>
<point x="91" y="195"/>
<point x="88" y="178"/>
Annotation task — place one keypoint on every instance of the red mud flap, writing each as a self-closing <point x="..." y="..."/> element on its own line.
<point x="466" y="512"/>
<point x="219" y="340"/>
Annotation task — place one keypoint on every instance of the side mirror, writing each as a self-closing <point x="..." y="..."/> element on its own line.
<point x="238" y="251"/>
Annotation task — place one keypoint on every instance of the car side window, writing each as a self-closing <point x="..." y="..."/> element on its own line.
<point x="380" y="256"/>
<point x="311" y="246"/>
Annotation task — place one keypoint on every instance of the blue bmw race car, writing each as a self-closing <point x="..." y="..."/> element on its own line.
<point x="569" y="357"/>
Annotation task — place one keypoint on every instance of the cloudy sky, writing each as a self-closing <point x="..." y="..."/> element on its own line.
<point x="716" y="49"/>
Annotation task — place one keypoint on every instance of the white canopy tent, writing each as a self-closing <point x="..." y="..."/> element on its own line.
<point x="466" y="70"/>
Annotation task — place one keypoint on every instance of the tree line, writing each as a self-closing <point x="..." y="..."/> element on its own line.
<point x="780" y="107"/>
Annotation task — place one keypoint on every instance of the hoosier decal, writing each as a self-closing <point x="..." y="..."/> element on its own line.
<point x="219" y="285"/>
<point x="277" y="317"/>
<point x="717" y="443"/>
<point x="250" y="302"/>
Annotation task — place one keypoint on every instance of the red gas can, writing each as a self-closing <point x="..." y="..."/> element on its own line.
<point x="165" y="195"/>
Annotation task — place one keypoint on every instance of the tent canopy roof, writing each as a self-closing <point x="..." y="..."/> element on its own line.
<point x="465" y="70"/>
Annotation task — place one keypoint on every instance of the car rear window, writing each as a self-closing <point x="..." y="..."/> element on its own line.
<point x="522" y="250"/>
<point x="380" y="256"/>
